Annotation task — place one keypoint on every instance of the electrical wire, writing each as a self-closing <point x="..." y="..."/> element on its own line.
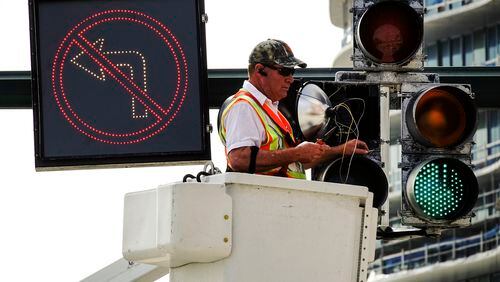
<point x="188" y="176"/>
<point x="208" y="169"/>
<point x="350" y="130"/>
<point x="356" y="123"/>
<point x="343" y="87"/>
<point x="342" y="127"/>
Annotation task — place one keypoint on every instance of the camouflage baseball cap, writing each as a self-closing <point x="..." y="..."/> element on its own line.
<point x="274" y="52"/>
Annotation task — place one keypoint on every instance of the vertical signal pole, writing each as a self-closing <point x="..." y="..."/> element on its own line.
<point x="385" y="136"/>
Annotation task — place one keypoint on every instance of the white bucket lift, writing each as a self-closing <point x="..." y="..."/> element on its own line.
<point x="242" y="227"/>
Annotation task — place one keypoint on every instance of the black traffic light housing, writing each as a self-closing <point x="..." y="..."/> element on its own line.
<point x="331" y="104"/>
<point x="388" y="35"/>
<point x="338" y="111"/>
<point x="439" y="188"/>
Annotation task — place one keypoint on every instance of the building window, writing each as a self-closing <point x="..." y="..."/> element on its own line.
<point x="492" y="43"/>
<point x="495" y="277"/>
<point x="456" y="52"/>
<point x="445" y="53"/>
<point x="479" y="48"/>
<point x="498" y="39"/>
<point x="494" y="130"/>
<point x="432" y="2"/>
<point x="481" y="137"/>
<point x="468" y="50"/>
<point x="432" y="56"/>
<point x="484" y="278"/>
<point x="455" y="4"/>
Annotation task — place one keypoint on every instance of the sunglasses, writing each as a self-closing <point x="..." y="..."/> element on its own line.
<point x="283" y="71"/>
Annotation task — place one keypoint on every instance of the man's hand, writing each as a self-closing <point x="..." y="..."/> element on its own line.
<point x="353" y="146"/>
<point x="310" y="152"/>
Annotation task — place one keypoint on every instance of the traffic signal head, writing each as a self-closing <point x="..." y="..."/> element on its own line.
<point x="438" y="184"/>
<point x="388" y="35"/>
<point x="354" y="171"/>
<point x="337" y="112"/>
<point x="442" y="189"/>
<point x="441" y="116"/>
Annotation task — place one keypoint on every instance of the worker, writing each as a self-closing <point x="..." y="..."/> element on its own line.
<point x="256" y="135"/>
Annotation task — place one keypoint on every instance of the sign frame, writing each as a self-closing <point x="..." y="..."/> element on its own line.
<point x="112" y="160"/>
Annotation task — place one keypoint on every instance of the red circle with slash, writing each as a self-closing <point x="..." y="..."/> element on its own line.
<point x="163" y="116"/>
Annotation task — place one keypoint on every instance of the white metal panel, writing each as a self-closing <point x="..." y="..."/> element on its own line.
<point x="140" y="220"/>
<point x="368" y="240"/>
<point x="360" y="193"/>
<point x="291" y="230"/>
<point x="177" y="224"/>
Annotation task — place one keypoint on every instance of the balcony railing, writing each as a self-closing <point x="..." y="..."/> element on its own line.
<point x="486" y="154"/>
<point x="439" y="6"/>
<point x="440" y="252"/>
<point x="485" y="208"/>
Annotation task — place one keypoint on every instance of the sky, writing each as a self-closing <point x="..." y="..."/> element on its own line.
<point x="64" y="226"/>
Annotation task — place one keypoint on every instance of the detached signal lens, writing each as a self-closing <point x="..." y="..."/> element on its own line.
<point x="442" y="116"/>
<point x="390" y="32"/>
<point x="358" y="171"/>
<point x="442" y="189"/>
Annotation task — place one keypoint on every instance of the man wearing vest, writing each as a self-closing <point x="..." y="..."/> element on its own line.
<point x="257" y="137"/>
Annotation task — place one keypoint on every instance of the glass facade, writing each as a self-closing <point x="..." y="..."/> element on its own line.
<point x="487" y="138"/>
<point x="432" y="55"/>
<point x="445" y="53"/>
<point x="478" y="48"/>
<point x="468" y="55"/>
<point x="491" y="52"/>
<point x="456" y="52"/>
<point x="494" y="131"/>
<point x="481" y="138"/>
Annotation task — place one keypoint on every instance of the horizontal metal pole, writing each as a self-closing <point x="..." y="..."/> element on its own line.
<point x="15" y="87"/>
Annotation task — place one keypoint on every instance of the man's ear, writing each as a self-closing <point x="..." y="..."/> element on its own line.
<point x="260" y="69"/>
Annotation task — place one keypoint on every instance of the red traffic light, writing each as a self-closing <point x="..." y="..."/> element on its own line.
<point x="390" y="32"/>
<point x="441" y="116"/>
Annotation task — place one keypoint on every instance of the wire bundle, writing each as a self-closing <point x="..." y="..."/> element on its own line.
<point x="343" y="129"/>
<point x="208" y="169"/>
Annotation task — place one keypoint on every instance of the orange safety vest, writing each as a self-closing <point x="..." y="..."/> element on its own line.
<point x="279" y="134"/>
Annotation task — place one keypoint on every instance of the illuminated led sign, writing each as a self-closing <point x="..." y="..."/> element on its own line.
<point x="119" y="82"/>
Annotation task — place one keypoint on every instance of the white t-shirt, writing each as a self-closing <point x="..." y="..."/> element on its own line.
<point x="243" y="125"/>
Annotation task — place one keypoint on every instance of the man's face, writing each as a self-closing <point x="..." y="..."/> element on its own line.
<point x="277" y="82"/>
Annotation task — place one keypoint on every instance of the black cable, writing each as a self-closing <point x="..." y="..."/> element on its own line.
<point x="201" y="173"/>
<point x="188" y="176"/>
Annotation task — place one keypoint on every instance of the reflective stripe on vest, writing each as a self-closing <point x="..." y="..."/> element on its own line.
<point x="275" y="138"/>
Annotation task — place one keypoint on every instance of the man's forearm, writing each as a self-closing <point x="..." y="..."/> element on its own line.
<point x="271" y="159"/>
<point x="347" y="149"/>
<point x="305" y="152"/>
<point x="239" y="159"/>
